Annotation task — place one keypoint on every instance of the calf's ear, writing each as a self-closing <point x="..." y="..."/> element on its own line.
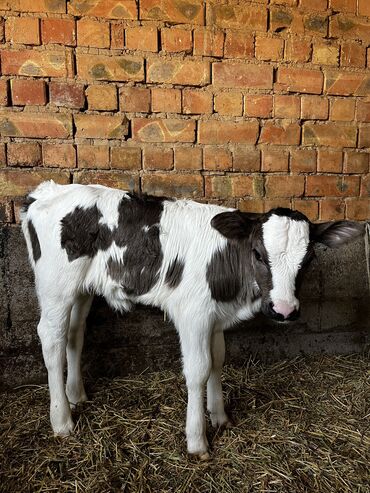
<point x="234" y="225"/>
<point x="336" y="234"/>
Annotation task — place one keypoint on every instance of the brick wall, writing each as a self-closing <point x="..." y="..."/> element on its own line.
<point x="251" y="104"/>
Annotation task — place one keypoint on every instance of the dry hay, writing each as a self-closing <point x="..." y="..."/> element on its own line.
<point x="300" y="426"/>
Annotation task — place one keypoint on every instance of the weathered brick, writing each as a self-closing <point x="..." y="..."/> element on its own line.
<point x="93" y="156"/>
<point x="275" y="159"/>
<point x="363" y="111"/>
<point x="197" y="102"/>
<point x="180" y="12"/>
<point x="113" y="179"/>
<point x="20" y="182"/>
<point x="59" y="155"/>
<point x="342" y="109"/>
<point x="251" y="205"/>
<point x="283" y="19"/>
<point x="100" y="126"/>
<point x="239" y="16"/>
<point x="224" y="187"/>
<point x="176" y="40"/>
<point x="303" y="161"/>
<point x="356" y="162"/>
<point x="142" y="38"/>
<point x="177" y="71"/>
<point x="332" y="186"/>
<point x="258" y="106"/>
<point x="247" y="159"/>
<point x="187" y="158"/>
<point x="111" y="9"/>
<point x="284" y="186"/>
<point x="166" y="100"/>
<point x="314" y="4"/>
<point x="297" y="49"/>
<point x="2" y="156"/>
<point x="127" y="158"/>
<point x="352" y="55"/>
<point x="31" y="91"/>
<point x="102" y="67"/>
<point x="46" y="6"/>
<point x="169" y="130"/>
<point x="310" y="208"/>
<point x="316" y="24"/>
<point x="134" y="99"/>
<point x="287" y="106"/>
<point x="290" y="3"/>
<point x="330" y="134"/>
<point x="344" y="5"/>
<point x="117" y="36"/>
<point x="358" y="209"/>
<point x="235" y="74"/>
<point x="365" y="186"/>
<point x="229" y="103"/>
<point x="280" y="133"/>
<point x="324" y="54"/>
<point x="102" y="97"/>
<point x="208" y="42"/>
<point x="364" y="136"/>
<point x="158" y="158"/>
<point x="349" y="27"/>
<point x="269" y="48"/>
<point x="6" y="211"/>
<point x="239" y="44"/>
<point x="332" y="209"/>
<point x="364" y="8"/>
<point x="347" y="83"/>
<point x="67" y="95"/>
<point x="217" y="158"/>
<point x="3" y="92"/>
<point x="173" y="185"/>
<point x="25" y="30"/>
<point x="225" y="132"/>
<point x="24" y="154"/>
<point x="300" y="80"/>
<point x="37" y="125"/>
<point x="93" y="33"/>
<point x="62" y="31"/>
<point x="314" y="108"/>
<point x="37" y="63"/>
<point x="329" y="161"/>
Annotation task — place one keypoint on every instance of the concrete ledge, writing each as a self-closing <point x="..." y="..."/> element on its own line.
<point x="335" y="304"/>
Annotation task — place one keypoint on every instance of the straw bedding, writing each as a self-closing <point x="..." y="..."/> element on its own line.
<point x="300" y="426"/>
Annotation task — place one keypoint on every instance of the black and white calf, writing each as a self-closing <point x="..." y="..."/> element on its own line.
<point x="207" y="266"/>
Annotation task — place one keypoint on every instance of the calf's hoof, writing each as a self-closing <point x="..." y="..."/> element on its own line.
<point x="64" y="430"/>
<point x="220" y="421"/>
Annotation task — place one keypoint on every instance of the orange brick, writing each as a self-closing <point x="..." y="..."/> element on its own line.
<point x="115" y="68"/>
<point x="356" y="162"/>
<point x="300" y="80"/>
<point x="126" y="158"/>
<point x="275" y="159"/>
<point x="358" y="209"/>
<point x="314" y="4"/>
<point x="251" y="205"/>
<point x="332" y="186"/>
<point x="310" y="208"/>
<point x="316" y="24"/>
<point x="314" y="108"/>
<point x="20" y="182"/>
<point x="274" y="203"/>
<point x="363" y="111"/>
<point x="329" y="161"/>
<point x="166" y="100"/>
<point x="224" y="187"/>
<point x="176" y="40"/>
<point x="3" y="93"/>
<point x="269" y="48"/>
<point x="235" y="74"/>
<point x="284" y="186"/>
<point x="67" y="95"/>
<point x="28" y="92"/>
<point x="93" y="33"/>
<point x="289" y="20"/>
<point x="229" y="103"/>
<point x="332" y="209"/>
<point x="102" y="97"/>
<point x="35" y="125"/>
<point x="324" y="54"/>
<point x="342" y="109"/>
<point x="134" y="99"/>
<point x="287" y="106"/>
<point x="117" y="35"/>
<point x="353" y="55"/>
<point x="142" y="38"/>
<point x="364" y="136"/>
<point x="178" y="71"/>
<point x="111" y="9"/>
<point x="114" y="179"/>
<point x="217" y="158"/>
<point x="37" y="63"/>
<point x="247" y="159"/>
<point x="297" y="49"/>
<point x="54" y="7"/>
<point x="197" y="102"/>
<point x="344" y="5"/>
<point x="173" y="185"/>
<point x="208" y="43"/>
<point x="364" y="8"/>
<point x="365" y="186"/>
<point x="280" y="133"/>
<point x="303" y="161"/>
<point x="350" y="27"/>
<point x="158" y="158"/>
<point x="329" y="134"/>
<point x="258" y="106"/>
<point x="62" y="31"/>
<point x="238" y="16"/>
<point x="238" y="45"/>
<point x="217" y="132"/>
<point x="24" y="154"/>
<point x="158" y="130"/>
<point x="347" y="83"/>
<point x="100" y="126"/>
<point x="92" y="156"/>
<point x="187" y="158"/>
<point x="59" y="155"/>
<point x="25" y="30"/>
<point x="174" y="12"/>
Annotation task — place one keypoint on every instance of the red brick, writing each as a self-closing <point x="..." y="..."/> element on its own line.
<point x="300" y="80"/>
<point x="126" y="158"/>
<point x="310" y="208"/>
<point x="358" y="209"/>
<point x="35" y="125"/>
<point x="235" y="74"/>
<point x="134" y="99"/>
<point x="342" y="109"/>
<point x="176" y="40"/>
<point x="280" y="133"/>
<point x="356" y="162"/>
<point x="197" y="102"/>
<point x="239" y="16"/>
<point x="169" y="130"/>
<point x="330" y="134"/>
<point x="187" y="158"/>
<point x="102" y="97"/>
<point x="3" y="93"/>
<point x="287" y="106"/>
<point x="93" y="33"/>
<point x="178" y="71"/>
<point x="173" y="185"/>
<point x="224" y="187"/>
<point x="62" y="31"/>
<point x="350" y="27"/>
<point x="284" y="186"/>
<point x="113" y="179"/>
<point x="100" y="126"/>
<point x="20" y="182"/>
<point x="332" y="186"/>
<point x="363" y="111"/>
<point x="142" y="38"/>
<point x="111" y="9"/>
<point x="229" y="103"/>
<point x="27" y="154"/>
<point x="297" y="49"/>
<point x="258" y="106"/>
<point x="353" y="55"/>
<point x="275" y="159"/>
<point x="303" y="161"/>
<point x="93" y="156"/>
<point x="37" y="63"/>
<point x="364" y="136"/>
<point x="247" y="159"/>
<point x="314" y="108"/>
<point x="25" y="30"/>
<point x="332" y="209"/>
<point x="175" y="12"/>
<point x="166" y="100"/>
<point x="158" y="158"/>
<point x="217" y="158"/>
<point x="329" y="161"/>
<point x="364" y="8"/>
<point x="325" y="54"/>
<point x="344" y="5"/>
<point x="46" y="6"/>
<point x="347" y="83"/>
<point x="208" y="42"/>
<point x="238" y="44"/>
<point x="225" y="132"/>
<point x="117" y="35"/>
<point x="117" y="68"/>
<point x="28" y="92"/>
<point x="269" y="48"/>
<point x="59" y="155"/>
<point x="67" y="95"/>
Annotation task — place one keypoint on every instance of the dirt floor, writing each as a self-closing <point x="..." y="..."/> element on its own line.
<point x="300" y="426"/>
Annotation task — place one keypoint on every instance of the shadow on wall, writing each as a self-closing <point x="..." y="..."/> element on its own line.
<point x="335" y="319"/>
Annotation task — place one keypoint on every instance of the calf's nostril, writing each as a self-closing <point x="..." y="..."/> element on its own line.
<point x="283" y="308"/>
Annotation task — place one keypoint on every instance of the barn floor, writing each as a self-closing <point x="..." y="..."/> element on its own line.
<point x="300" y="426"/>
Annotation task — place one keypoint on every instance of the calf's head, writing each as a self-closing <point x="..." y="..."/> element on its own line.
<point x="278" y="246"/>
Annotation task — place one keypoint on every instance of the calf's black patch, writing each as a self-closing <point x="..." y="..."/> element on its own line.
<point x="26" y="203"/>
<point x="174" y="273"/>
<point x="36" y="249"/>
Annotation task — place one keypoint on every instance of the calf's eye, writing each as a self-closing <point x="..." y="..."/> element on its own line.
<point x="257" y="255"/>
